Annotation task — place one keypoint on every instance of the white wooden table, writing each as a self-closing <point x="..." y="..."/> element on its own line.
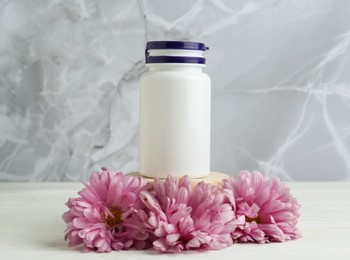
<point x="31" y="226"/>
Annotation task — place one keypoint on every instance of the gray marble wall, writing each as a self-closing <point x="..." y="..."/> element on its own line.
<point x="69" y="74"/>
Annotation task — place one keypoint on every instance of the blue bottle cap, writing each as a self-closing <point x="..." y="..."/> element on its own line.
<point x="175" y="45"/>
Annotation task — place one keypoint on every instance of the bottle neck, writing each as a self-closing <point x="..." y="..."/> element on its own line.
<point x="175" y="67"/>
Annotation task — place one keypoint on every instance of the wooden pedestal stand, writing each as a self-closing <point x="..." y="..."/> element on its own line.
<point x="213" y="178"/>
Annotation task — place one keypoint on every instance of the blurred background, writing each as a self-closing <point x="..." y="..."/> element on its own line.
<point x="69" y="84"/>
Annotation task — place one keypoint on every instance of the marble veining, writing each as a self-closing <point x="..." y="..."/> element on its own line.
<point x="69" y="84"/>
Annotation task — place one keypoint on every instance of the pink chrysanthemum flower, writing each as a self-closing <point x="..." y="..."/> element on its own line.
<point x="270" y="211"/>
<point x="104" y="216"/>
<point x="182" y="218"/>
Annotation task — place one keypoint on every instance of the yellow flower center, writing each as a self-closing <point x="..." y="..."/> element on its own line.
<point x="114" y="219"/>
<point x="250" y="220"/>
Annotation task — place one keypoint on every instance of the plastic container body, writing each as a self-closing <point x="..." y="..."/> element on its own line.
<point x="175" y="111"/>
<point x="175" y="120"/>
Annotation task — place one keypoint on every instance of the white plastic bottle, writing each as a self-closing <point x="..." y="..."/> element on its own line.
<point x="175" y="111"/>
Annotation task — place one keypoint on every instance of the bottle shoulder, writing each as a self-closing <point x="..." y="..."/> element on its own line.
<point x="181" y="74"/>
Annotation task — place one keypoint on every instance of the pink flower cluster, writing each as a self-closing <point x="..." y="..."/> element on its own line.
<point x="116" y="212"/>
